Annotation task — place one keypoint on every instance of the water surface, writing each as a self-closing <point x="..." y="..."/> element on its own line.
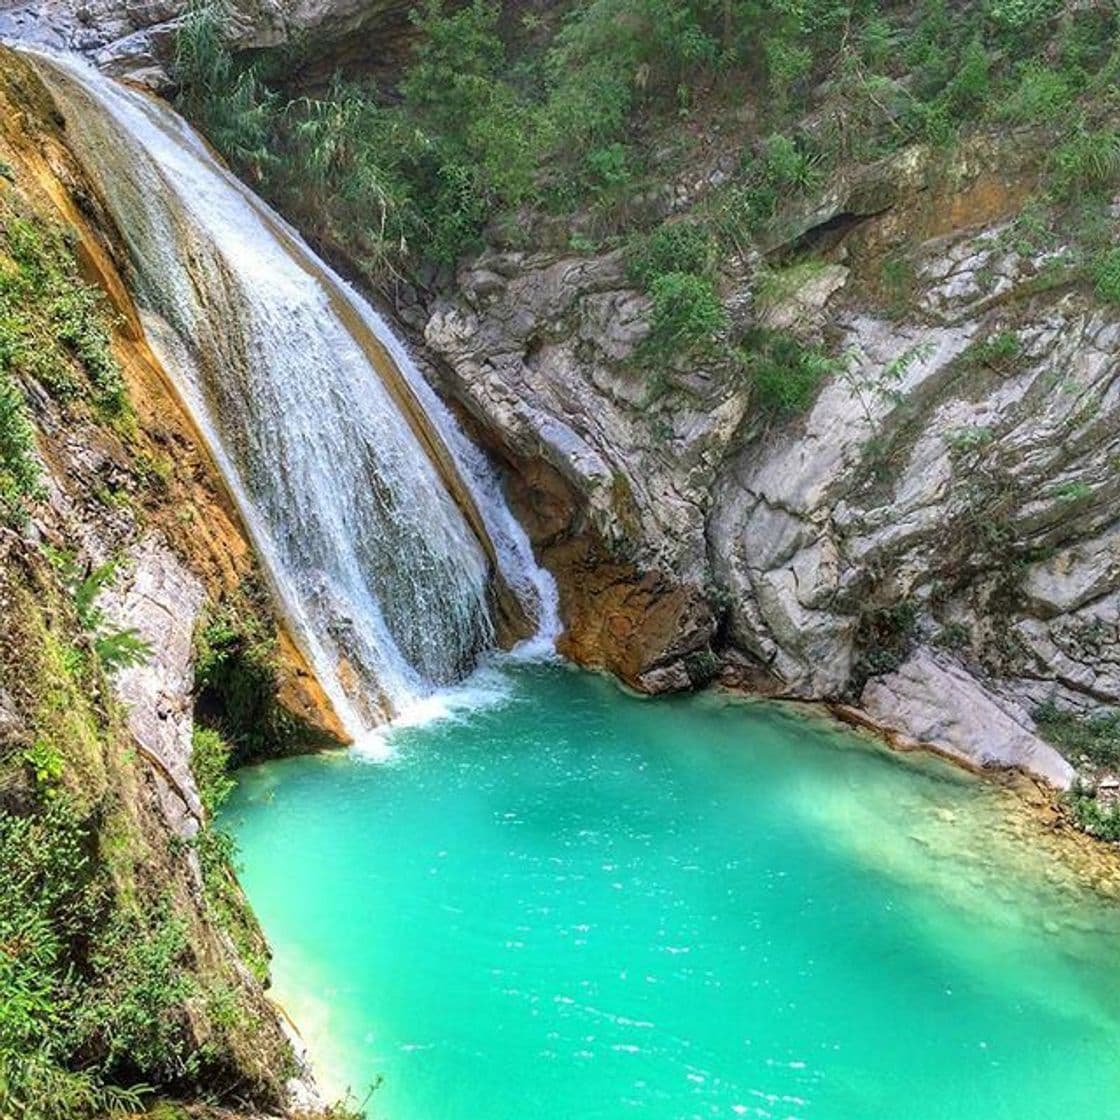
<point x="575" y="904"/>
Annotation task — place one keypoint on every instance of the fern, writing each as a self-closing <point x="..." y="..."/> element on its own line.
<point x="121" y="649"/>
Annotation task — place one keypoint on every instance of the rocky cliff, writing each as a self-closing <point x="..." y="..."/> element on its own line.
<point x="941" y="505"/>
<point x="137" y="40"/>
<point x="115" y="550"/>
<point x="947" y="504"/>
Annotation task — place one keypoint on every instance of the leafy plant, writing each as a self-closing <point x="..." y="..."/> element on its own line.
<point x="969" y="437"/>
<point x="681" y="247"/>
<point x="45" y="760"/>
<point x="1106" y="276"/>
<point x="121" y="649"/>
<point x="116" y="649"/>
<point x="687" y="315"/>
<point x="785" y="373"/>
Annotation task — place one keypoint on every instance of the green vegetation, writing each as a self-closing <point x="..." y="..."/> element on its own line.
<point x="784" y="372"/>
<point x="115" y="649"/>
<point x="217" y="852"/>
<point x="1106" y="275"/>
<point x="48" y="898"/>
<point x="1095" y="738"/>
<point x="1091" y="741"/>
<point x="674" y="247"/>
<point x="20" y="481"/>
<point x="1102" y="821"/>
<point x="98" y="962"/>
<point x="237" y="677"/>
<point x="998" y="352"/>
<point x="687" y="315"/>
<point x="54" y="332"/>
<point x="54" y="328"/>
<point x="885" y="638"/>
<point x="580" y="106"/>
<point x="968" y="438"/>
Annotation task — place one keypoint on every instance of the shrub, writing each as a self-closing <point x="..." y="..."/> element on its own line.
<point x="1106" y="276"/>
<point x="687" y="313"/>
<point x="209" y="765"/>
<point x="1092" y="816"/>
<point x="998" y="352"/>
<point x="137" y="1016"/>
<point x="608" y="167"/>
<point x="217" y="852"/>
<point x="785" y="373"/>
<point x="1042" y="94"/>
<point x="1094" y="737"/>
<point x="237" y="678"/>
<point x="236" y="111"/>
<point x="683" y="247"/>
<point x="1085" y="161"/>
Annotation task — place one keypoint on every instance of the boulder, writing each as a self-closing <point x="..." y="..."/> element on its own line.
<point x="936" y="702"/>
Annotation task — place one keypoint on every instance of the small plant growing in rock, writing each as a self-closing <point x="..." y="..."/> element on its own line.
<point x="1072" y="491"/>
<point x="115" y="649"/>
<point x="953" y="635"/>
<point x="997" y="352"/>
<point x="785" y="373"/>
<point x="968" y="438"/>
<point x="687" y="314"/>
<point x="1106" y="276"/>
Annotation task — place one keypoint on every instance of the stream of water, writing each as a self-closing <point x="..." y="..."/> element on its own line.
<point x="570" y="904"/>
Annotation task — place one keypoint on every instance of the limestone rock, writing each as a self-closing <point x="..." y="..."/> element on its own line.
<point x="136" y="40"/>
<point x="955" y="464"/>
<point x="157" y="598"/>
<point x="933" y="701"/>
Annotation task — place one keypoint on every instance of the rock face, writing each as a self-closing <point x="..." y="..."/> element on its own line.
<point x="939" y="704"/>
<point x="158" y="599"/>
<point x="137" y="40"/>
<point x="953" y="484"/>
<point x="537" y="350"/>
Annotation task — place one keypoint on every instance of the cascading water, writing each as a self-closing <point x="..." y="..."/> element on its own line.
<point x="385" y="539"/>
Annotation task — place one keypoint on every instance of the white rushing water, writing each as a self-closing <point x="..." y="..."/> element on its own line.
<point x="381" y="528"/>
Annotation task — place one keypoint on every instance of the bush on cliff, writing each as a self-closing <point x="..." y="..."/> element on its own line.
<point x="566" y="107"/>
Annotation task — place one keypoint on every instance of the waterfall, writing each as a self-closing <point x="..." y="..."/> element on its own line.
<point x="381" y="529"/>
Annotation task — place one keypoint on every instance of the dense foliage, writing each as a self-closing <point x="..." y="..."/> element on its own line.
<point x="578" y="107"/>
<point x="236" y="664"/>
<point x="95" y="972"/>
